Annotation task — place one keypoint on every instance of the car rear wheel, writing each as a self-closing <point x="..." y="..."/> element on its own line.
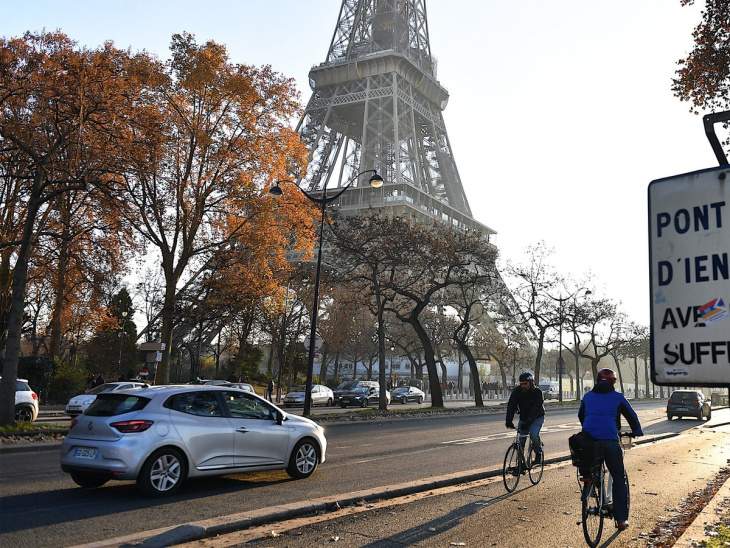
<point x="303" y="460"/>
<point x="669" y="417"/>
<point x="162" y="473"/>
<point x="87" y="482"/>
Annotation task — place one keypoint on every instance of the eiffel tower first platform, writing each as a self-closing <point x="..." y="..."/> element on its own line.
<point x="376" y="104"/>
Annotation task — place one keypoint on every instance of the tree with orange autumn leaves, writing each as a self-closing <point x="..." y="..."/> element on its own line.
<point x="62" y="112"/>
<point x="210" y="137"/>
<point x="703" y="77"/>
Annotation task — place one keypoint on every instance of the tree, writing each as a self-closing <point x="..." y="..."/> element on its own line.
<point x="63" y="111"/>
<point x="210" y="136"/>
<point x="413" y="264"/>
<point x="703" y="78"/>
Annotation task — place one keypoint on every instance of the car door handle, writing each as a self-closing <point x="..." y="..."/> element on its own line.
<point x="242" y="430"/>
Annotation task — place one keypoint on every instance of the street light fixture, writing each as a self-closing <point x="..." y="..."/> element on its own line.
<point x="121" y="341"/>
<point x="376" y="181"/>
<point x="561" y="362"/>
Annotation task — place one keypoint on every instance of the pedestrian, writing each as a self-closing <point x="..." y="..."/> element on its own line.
<point x="99" y="380"/>
<point x="271" y="389"/>
<point x="527" y="399"/>
<point x="600" y="414"/>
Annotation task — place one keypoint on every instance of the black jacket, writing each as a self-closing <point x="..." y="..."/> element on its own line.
<point x="528" y="404"/>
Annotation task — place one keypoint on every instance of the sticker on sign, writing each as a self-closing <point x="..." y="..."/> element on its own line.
<point x="689" y="270"/>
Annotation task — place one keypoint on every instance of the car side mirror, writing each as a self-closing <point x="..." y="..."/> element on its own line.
<point x="279" y="418"/>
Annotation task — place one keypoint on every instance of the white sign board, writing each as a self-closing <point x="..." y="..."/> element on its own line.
<point x="689" y="268"/>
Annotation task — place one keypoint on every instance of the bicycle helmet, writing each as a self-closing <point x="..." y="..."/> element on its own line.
<point x="606" y="375"/>
<point x="527" y="376"/>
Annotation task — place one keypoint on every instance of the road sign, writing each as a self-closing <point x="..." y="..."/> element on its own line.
<point x="317" y="343"/>
<point x="689" y="270"/>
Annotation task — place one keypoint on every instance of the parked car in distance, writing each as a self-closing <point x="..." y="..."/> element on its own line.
<point x="321" y="395"/>
<point x="26" y="402"/>
<point x="242" y="386"/>
<point x="688" y="403"/>
<point x="363" y="395"/>
<point x="79" y="404"/>
<point x="404" y="394"/>
<point x="161" y="435"/>
<point x="549" y="390"/>
<point x="343" y="388"/>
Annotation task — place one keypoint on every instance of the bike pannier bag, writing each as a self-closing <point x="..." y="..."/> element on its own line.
<point x="585" y="452"/>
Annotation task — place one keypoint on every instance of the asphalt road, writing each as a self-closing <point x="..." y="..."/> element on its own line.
<point x="41" y="501"/>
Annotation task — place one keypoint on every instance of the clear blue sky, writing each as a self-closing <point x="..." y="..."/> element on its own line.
<point x="560" y="115"/>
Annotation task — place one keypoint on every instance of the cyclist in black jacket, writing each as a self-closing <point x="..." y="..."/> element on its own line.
<point x="527" y="399"/>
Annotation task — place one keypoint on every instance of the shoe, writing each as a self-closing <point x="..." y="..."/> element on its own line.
<point x="622" y="525"/>
<point x="537" y="459"/>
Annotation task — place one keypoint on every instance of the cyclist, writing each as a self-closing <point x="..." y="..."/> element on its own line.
<point x="600" y="414"/>
<point x="528" y="400"/>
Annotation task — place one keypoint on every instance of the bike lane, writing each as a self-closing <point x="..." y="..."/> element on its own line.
<point x="479" y="513"/>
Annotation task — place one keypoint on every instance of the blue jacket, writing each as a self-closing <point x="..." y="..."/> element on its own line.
<point x="600" y="413"/>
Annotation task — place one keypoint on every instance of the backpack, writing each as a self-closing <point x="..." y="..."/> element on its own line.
<point x="585" y="452"/>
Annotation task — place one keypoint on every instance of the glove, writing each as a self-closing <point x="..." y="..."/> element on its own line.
<point x="510" y="425"/>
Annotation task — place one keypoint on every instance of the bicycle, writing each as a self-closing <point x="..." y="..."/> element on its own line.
<point x="596" y="495"/>
<point x="516" y="464"/>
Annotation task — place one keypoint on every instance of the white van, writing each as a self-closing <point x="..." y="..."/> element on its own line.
<point x="549" y="390"/>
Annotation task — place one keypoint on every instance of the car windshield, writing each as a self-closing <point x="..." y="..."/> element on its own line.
<point x="360" y="389"/>
<point x="299" y="389"/>
<point x="107" y="387"/>
<point x="400" y="390"/>
<point x="345" y="385"/>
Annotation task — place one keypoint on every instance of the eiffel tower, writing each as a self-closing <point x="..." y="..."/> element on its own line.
<point x="376" y="104"/>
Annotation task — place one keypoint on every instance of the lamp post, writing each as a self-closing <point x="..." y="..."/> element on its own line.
<point x="561" y="362"/>
<point x="376" y="181"/>
<point x="121" y="341"/>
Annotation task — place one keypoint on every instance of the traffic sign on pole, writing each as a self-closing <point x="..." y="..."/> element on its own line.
<point x="689" y="270"/>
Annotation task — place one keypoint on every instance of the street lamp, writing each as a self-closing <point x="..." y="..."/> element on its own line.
<point x="561" y="362"/>
<point x="121" y="341"/>
<point x="376" y="181"/>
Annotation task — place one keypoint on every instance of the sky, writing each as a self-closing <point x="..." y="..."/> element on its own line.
<point x="560" y="112"/>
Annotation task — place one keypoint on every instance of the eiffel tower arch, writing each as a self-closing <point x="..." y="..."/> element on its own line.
<point x="376" y="104"/>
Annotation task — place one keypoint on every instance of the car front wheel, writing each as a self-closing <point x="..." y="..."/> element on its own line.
<point x="709" y="413"/>
<point x="162" y="473"/>
<point x="303" y="460"/>
<point x="364" y="403"/>
<point x="23" y="414"/>
<point x="329" y="402"/>
<point x="419" y="400"/>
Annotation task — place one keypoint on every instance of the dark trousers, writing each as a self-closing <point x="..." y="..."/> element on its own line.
<point x="614" y="458"/>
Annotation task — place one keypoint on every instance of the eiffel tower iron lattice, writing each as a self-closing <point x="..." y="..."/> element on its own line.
<point x="376" y="104"/>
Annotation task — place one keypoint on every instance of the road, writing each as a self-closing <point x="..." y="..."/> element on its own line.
<point x="41" y="501"/>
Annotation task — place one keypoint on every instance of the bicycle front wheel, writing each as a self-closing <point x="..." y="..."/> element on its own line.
<point x="535" y="470"/>
<point x="591" y="513"/>
<point x="512" y="469"/>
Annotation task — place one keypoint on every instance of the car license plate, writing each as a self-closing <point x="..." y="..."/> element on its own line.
<point x="74" y="408"/>
<point x="85" y="453"/>
<point x="682" y="409"/>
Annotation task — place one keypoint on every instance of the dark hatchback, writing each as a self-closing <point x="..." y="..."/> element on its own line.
<point x="688" y="403"/>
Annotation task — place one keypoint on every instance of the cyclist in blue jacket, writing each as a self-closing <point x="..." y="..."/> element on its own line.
<point x="600" y="414"/>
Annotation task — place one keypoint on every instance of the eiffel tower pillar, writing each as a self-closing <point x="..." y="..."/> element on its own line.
<point x="376" y="104"/>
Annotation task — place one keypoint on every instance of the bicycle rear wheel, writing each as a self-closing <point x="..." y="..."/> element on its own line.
<point x="512" y="468"/>
<point x="591" y="514"/>
<point x="535" y="470"/>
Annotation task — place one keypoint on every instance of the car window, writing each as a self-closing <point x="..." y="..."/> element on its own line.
<point x="242" y="406"/>
<point x="22" y="386"/>
<point x="201" y="404"/>
<point x="111" y="405"/>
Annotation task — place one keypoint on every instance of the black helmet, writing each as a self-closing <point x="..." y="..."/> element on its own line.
<point x="527" y="376"/>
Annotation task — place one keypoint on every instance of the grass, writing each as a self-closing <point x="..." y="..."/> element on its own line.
<point x="21" y="428"/>
<point x="721" y="537"/>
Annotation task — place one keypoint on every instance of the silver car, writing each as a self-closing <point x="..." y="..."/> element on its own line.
<point x="161" y="435"/>
<point x="321" y="395"/>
